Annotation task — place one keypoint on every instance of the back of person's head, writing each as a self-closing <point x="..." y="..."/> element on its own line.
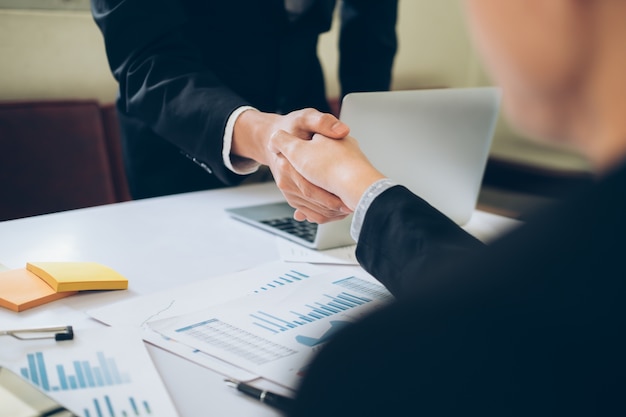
<point x="561" y="65"/>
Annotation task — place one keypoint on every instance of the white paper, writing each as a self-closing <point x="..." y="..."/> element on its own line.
<point x="293" y="252"/>
<point x="139" y="311"/>
<point x="103" y="371"/>
<point x="275" y="335"/>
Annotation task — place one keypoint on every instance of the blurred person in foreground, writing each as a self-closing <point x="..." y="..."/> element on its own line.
<point x="531" y="324"/>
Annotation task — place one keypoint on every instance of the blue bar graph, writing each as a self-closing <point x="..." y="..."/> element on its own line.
<point x="289" y="277"/>
<point x="105" y="407"/>
<point x="80" y="374"/>
<point x="360" y="292"/>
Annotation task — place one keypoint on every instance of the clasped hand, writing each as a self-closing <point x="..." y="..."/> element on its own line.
<point x="337" y="166"/>
<point x="255" y="130"/>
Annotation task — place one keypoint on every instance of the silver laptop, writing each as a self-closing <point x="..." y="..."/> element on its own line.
<point x="434" y="142"/>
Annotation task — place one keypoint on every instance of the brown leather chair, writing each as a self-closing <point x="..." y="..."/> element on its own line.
<point x="114" y="149"/>
<point x="55" y="156"/>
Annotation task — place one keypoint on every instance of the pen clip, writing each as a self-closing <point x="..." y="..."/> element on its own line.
<point x="270" y="398"/>
<point x="58" y="333"/>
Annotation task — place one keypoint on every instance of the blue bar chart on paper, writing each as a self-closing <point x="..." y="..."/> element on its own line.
<point x="342" y="296"/>
<point x="83" y="374"/>
<point x="246" y="334"/>
<point x="79" y="374"/>
<point x="106" y="407"/>
<point x="326" y="306"/>
<point x="104" y="372"/>
<point x="289" y="277"/>
<point x="274" y="335"/>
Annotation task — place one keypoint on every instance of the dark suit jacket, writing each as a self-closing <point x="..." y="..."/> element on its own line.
<point x="184" y="65"/>
<point x="532" y="324"/>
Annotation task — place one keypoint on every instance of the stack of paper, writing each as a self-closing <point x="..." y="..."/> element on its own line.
<point x="43" y="282"/>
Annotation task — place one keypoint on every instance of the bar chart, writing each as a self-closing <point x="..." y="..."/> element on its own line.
<point x="106" y="406"/>
<point x="79" y="374"/>
<point x="251" y="337"/>
<point x="289" y="277"/>
<point x="103" y="372"/>
<point x="275" y="334"/>
<point x="327" y="306"/>
<point x="308" y="313"/>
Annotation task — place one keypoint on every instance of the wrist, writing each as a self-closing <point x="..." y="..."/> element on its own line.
<point x="251" y="134"/>
<point x="359" y="186"/>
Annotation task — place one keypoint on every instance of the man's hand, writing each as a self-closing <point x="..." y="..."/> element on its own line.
<point x="252" y="134"/>
<point x="337" y="166"/>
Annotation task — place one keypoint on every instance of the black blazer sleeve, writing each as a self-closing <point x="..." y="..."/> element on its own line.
<point x="367" y="44"/>
<point x="163" y="79"/>
<point x="403" y="237"/>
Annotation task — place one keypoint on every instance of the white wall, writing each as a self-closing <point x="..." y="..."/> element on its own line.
<point x="54" y="54"/>
<point x="48" y="55"/>
<point x="434" y="50"/>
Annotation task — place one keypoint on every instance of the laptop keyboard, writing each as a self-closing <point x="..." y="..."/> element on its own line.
<point x="304" y="230"/>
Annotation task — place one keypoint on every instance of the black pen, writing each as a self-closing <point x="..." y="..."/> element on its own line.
<point x="277" y="401"/>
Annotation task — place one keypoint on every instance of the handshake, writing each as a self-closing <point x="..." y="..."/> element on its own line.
<point x="319" y="168"/>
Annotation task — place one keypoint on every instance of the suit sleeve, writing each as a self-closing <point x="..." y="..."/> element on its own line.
<point x="367" y="44"/>
<point x="403" y="237"/>
<point x="163" y="80"/>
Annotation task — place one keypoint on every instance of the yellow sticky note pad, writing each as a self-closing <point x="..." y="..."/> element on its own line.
<point x="21" y="289"/>
<point x="78" y="276"/>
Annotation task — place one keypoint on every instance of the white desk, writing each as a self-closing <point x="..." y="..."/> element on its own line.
<point x="157" y="244"/>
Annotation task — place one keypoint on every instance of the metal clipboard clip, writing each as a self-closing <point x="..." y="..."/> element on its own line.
<point x="58" y="333"/>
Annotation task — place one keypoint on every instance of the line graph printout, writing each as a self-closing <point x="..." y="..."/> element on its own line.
<point x="275" y="335"/>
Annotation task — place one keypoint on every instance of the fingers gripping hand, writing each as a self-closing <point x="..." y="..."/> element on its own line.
<point x="252" y="132"/>
<point x="311" y="202"/>
<point x="338" y="166"/>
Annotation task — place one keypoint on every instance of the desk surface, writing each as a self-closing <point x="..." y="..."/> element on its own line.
<point x="157" y="244"/>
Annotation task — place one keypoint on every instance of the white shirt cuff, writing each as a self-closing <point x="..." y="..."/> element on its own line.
<point x="368" y="196"/>
<point x="237" y="164"/>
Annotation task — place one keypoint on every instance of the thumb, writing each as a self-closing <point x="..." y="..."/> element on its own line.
<point x="324" y="123"/>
